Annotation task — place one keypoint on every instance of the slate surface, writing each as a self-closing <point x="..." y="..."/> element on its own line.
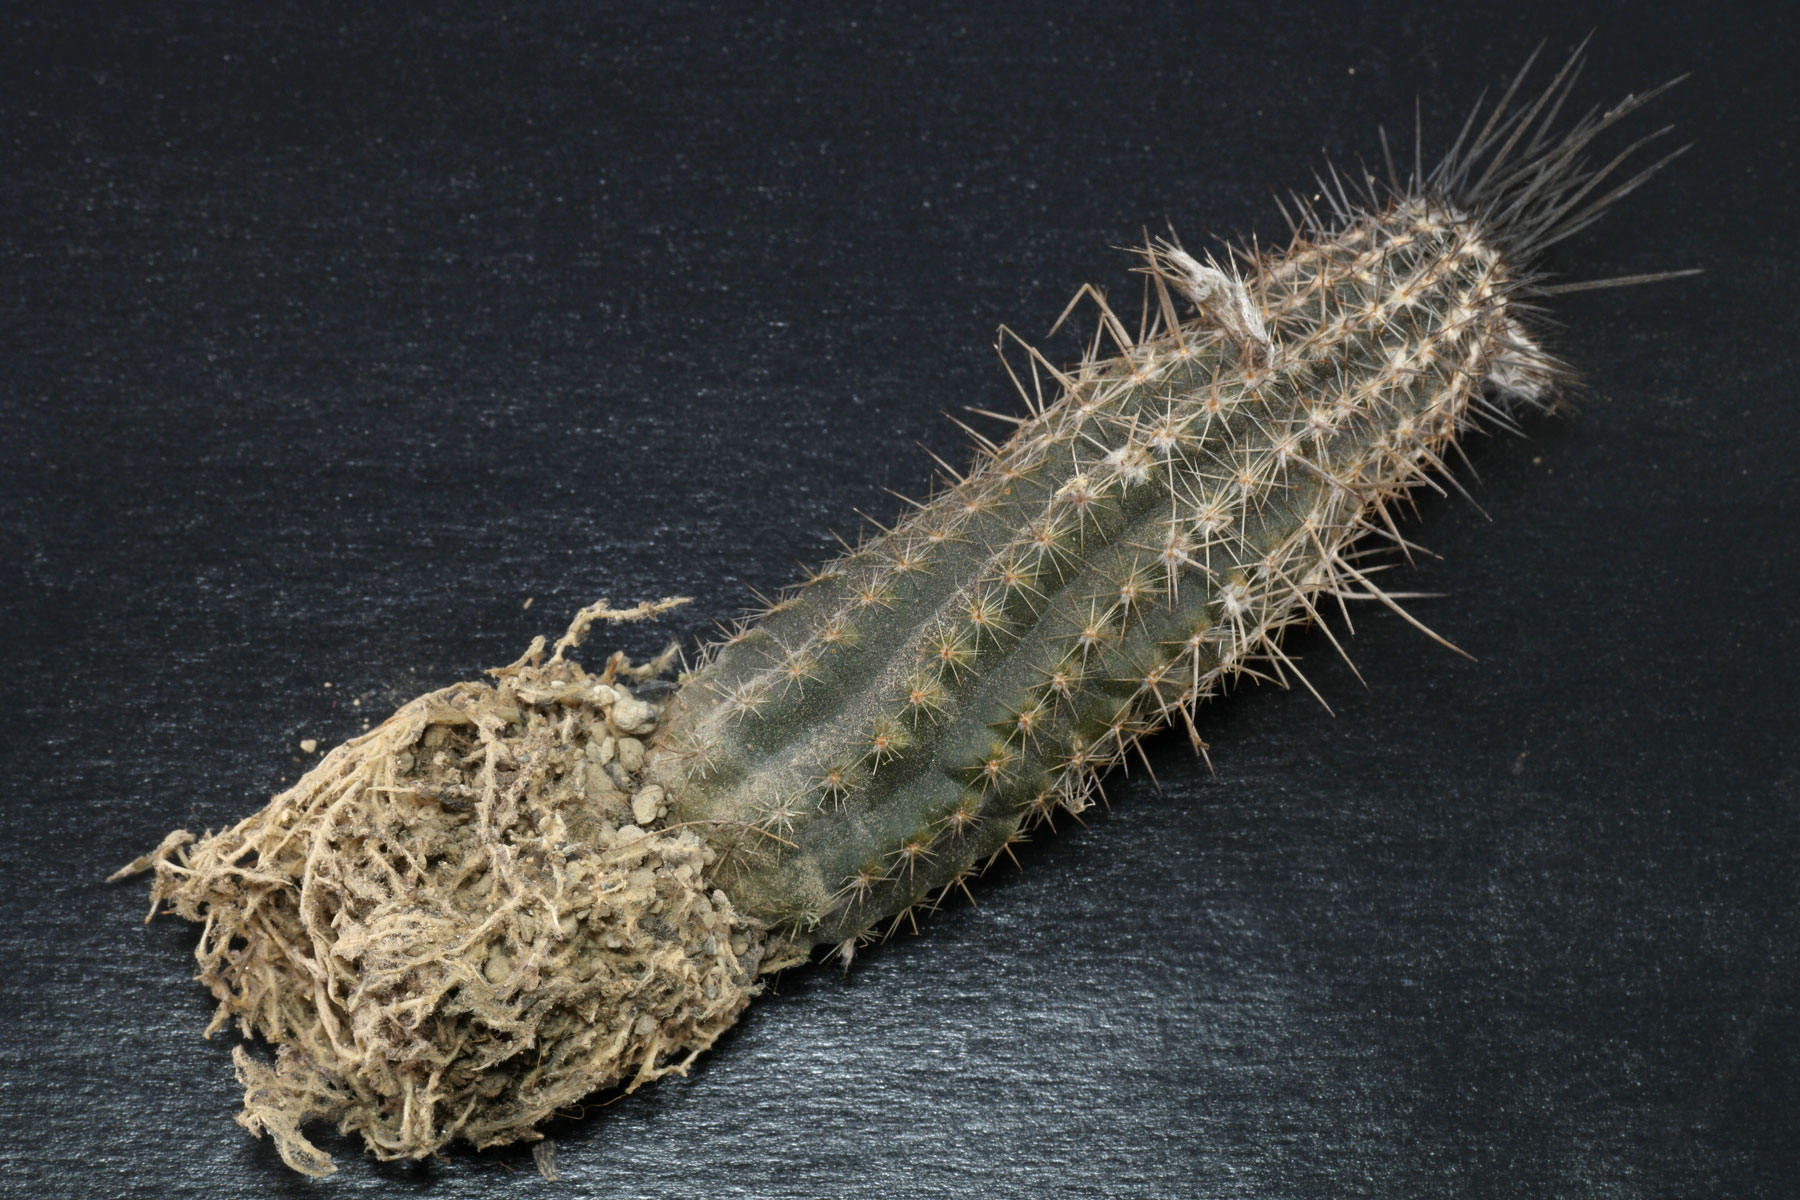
<point x="333" y="334"/>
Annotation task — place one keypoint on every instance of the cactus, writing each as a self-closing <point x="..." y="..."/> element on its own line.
<point x="501" y="898"/>
<point x="911" y="708"/>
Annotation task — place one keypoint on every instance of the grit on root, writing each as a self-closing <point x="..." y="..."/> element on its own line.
<point x="466" y="919"/>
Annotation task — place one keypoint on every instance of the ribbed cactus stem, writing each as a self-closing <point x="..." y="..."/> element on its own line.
<point x="910" y="709"/>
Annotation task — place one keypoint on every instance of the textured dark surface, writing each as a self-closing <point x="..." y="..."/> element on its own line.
<point x="331" y="338"/>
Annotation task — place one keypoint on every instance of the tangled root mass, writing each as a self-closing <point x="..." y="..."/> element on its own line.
<point x="464" y="920"/>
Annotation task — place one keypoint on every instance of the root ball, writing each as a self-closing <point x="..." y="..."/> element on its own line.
<point x="460" y="922"/>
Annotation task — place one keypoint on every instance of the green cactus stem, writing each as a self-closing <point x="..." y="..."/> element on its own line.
<point x="914" y="706"/>
<point x="897" y="719"/>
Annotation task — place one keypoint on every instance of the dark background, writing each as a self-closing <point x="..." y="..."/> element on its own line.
<point x="333" y="335"/>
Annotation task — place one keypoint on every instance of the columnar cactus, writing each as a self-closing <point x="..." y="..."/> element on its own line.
<point x="900" y="716"/>
<point x="502" y="898"/>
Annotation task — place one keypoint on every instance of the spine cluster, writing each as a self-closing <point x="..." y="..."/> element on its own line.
<point x="914" y="706"/>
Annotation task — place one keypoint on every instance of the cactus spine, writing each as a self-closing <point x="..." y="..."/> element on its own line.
<point x="901" y="716"/>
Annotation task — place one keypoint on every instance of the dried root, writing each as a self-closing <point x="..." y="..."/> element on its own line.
<point x="464" y="920"/>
